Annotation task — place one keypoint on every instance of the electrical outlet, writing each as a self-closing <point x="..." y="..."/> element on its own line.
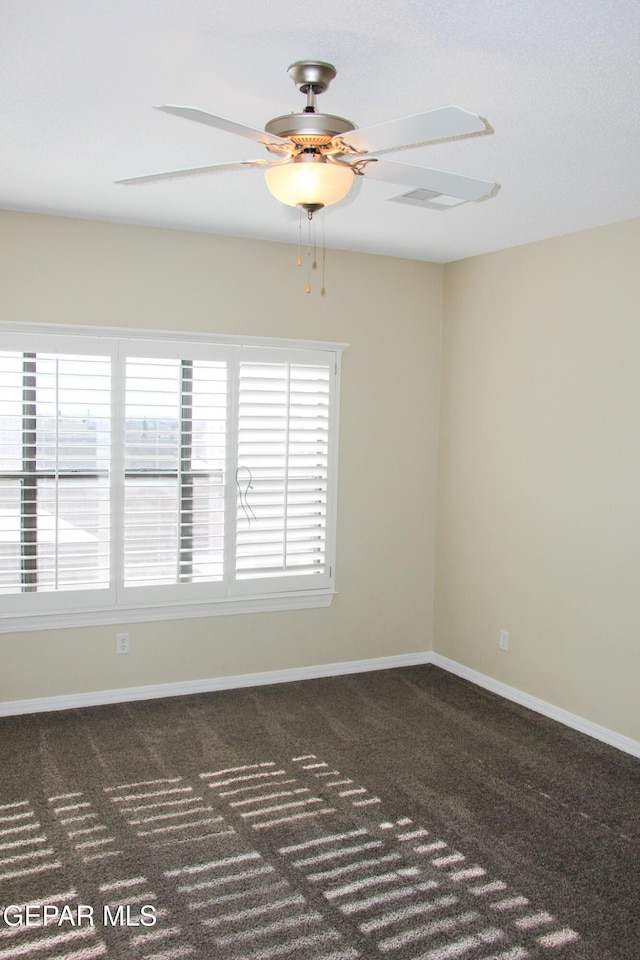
<point x="122" y="643"/>
<point x="504" y="640"/>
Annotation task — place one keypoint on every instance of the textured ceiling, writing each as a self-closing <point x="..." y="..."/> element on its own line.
<point x="557" y="80"/>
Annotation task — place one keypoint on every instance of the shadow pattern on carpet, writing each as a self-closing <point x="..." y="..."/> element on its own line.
<point x="129" y="845"/>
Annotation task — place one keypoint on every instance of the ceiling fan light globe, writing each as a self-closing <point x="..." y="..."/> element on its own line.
<point x="319" y="183"/>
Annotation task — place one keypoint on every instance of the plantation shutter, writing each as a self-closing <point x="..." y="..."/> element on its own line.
<point x="55" y="447"/>
<point x="175" y="434"/>
<point x="284" y="450"/>
<point x="145" y="476"/>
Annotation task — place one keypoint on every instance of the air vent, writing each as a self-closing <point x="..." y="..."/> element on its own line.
<point x="427" y="198"/>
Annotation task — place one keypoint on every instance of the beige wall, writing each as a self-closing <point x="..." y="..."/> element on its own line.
<point x="539" y="515"/>
<point x="389" y="311"/>
<point x="539" y="481"/>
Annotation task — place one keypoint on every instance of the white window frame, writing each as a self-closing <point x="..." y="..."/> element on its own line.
<point x="111" y="606"/>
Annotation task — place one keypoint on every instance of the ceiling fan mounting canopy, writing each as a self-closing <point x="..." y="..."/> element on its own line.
<point x="312" y="75"/>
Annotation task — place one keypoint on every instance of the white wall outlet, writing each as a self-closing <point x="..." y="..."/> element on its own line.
<point x="122" y="643"/>
<point x="504" y="640"/>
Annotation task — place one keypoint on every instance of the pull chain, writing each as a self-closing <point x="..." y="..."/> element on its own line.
<point x="310" y="227"/>
<point x="323" y="292"/>
<point x="311" y="241"/>
<point x="312" y="254"/>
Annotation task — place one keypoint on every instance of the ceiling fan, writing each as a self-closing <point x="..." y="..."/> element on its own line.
<point x="316" y="156"/>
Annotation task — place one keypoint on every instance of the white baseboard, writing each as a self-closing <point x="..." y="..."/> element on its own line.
<point x="186" y="687"/>
<point x="539" y="706"/>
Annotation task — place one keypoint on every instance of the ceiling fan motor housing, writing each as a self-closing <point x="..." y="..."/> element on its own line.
<point x="309" y="129"/>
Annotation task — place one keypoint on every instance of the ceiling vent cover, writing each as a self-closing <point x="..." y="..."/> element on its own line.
<point x="427" y="198"/>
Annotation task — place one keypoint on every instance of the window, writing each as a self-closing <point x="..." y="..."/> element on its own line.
<point x="146" y="477"/>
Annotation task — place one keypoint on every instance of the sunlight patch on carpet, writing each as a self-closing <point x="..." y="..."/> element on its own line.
<point x="257" y="860"/>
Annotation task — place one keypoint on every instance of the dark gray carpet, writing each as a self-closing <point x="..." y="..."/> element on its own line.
<point x="402" y="814"/>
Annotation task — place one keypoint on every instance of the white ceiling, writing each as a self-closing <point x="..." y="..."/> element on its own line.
<point x="558" y="80"/>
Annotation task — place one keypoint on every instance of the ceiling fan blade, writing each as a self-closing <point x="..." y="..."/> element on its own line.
<point x="438" y="124"/>
<point x="424" y="178"/>
<point x="191" y="171"/>
<point x="221" y="123"/>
